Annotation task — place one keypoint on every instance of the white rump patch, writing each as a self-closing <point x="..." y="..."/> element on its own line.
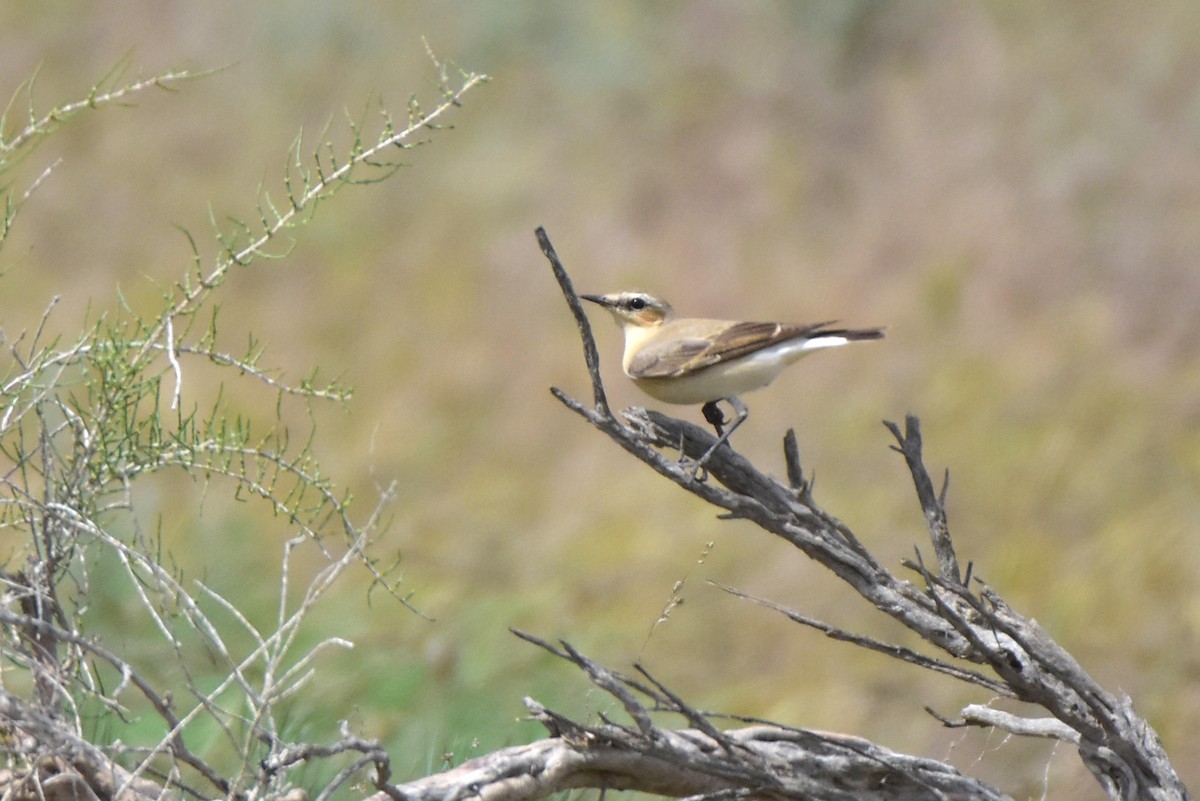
<point x="824" y="342"/>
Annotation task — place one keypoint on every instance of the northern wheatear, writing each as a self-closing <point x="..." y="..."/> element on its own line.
<point x="688" y="361"/>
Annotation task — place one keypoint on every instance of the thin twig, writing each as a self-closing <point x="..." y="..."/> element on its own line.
<point x="932" y="502"/>
<point x="871" y="644"/>
<point x="591" y="356"/>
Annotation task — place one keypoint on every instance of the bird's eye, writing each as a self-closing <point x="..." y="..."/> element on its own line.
<point x="637" y="303"/>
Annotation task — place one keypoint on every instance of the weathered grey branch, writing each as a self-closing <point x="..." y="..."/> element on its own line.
<point x="591" y="356"/>
<point x="1053" y="728"/>
<point x="933" y="505"/>
<point x="760" y="761"/>
<point x="966" y="619"/>
<point x="872" y="644"/>
<point x="73" y="767"/>
<point x="770" y="763"/>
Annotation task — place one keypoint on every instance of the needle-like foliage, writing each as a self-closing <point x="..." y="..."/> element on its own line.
<point x="84" y="420"/>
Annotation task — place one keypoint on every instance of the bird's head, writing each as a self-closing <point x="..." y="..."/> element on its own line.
<point x="634" y="309"/>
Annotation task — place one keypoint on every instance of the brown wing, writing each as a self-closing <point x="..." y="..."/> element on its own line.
<point x="741" y="339"/>
<point x="667" y="359"/>
<point x="688" y="354"/>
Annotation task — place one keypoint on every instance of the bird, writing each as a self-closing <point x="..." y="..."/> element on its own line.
<point x="688" y="361"/>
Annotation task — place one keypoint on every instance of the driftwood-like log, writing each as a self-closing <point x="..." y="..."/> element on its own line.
<point x="767" y="762"/>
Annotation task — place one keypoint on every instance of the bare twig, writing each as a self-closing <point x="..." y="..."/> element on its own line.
<point x="872" y="644"/>
<point x="932" y="504"/>
<point x="591" y="356"/>
<point x="978" y="715"/>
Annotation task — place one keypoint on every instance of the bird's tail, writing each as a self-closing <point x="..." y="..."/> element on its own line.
<point x="823" y="337"/>
<point x="850" y="334"/>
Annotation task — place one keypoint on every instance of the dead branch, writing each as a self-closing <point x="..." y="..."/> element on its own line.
<point x="59" y="764"/>
<point x="760" y="761"/>
<point x="772" y="763"/>
<point x="966" y="619"/>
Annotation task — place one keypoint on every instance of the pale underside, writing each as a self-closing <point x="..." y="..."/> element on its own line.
<point x="687" y="369"/>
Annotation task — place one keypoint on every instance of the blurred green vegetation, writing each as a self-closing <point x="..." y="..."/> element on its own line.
<point x="1011" y="188"/>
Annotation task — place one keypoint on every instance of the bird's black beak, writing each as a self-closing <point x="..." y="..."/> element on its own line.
<point x="598" y="299"/>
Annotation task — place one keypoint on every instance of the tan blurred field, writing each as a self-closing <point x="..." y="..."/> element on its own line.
<point x="1013" y="189"/>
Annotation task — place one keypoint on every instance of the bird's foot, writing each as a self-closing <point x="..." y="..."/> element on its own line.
<point x="713" y="414"/>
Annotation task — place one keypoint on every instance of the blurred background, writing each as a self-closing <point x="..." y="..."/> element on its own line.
<point x="1013" y="190"/>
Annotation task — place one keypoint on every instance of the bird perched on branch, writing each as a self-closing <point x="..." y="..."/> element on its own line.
<point x="688" y="361"/>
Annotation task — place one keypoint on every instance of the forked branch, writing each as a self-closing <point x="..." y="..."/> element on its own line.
<point x="962" y="617"/>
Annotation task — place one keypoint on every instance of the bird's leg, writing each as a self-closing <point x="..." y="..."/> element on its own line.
<point x="711" y="406"/>
<point x="715" y="417"/>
